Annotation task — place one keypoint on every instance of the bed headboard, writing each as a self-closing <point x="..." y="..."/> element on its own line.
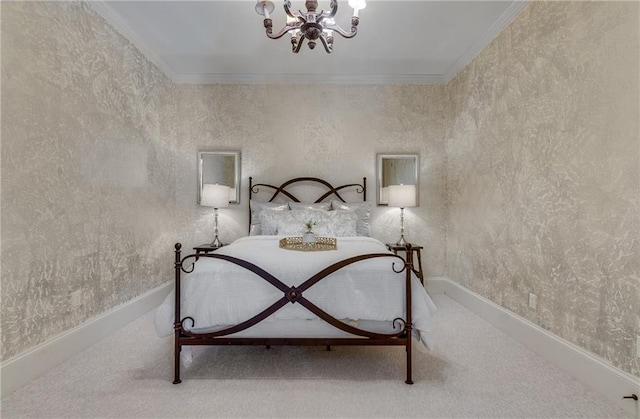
<point x="328" y="189"/>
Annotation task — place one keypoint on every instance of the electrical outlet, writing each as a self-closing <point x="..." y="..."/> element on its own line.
<point x="533" y="301"/>
<point x="76" y="299"/>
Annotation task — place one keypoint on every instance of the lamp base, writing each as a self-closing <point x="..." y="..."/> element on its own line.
<point x="402" y="241"/>
<point x="216" y="242"/>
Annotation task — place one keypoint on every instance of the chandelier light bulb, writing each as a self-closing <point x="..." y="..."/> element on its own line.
<point x="357" y="4"/>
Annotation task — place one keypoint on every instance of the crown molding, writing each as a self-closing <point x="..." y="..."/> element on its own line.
<point x="121" y="26"/>
<point x="489" y="35"/>
<point x="232" y="78"/>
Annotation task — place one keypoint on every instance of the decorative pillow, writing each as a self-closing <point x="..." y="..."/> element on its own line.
<point x="291" y="228"/>
<point x="362" y="210"/>
<point x="293" y="222"/>
<point x="270" y="218"/>
<point x="343" y="223"/>
<point x="325" y="206"/>
<point x="256" y="208"/>
<point x="327" y="223"/>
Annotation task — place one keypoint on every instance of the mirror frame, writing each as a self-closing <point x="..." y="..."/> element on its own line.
<point x="236" y="162"/>
<point x="380" y="157"/>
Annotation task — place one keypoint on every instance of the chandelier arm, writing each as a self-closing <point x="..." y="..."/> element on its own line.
<point x="342" y="32"/>
<point x="282" y="32"/>
<point x="287" y="10"/>
<point x="327" y="47"/>
<point x="300" y="42"/>
<point x="334" y="10"/>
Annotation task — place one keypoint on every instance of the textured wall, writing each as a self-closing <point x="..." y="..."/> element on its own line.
<point x="332" y="132"/>
<point x="87" y="171"/>
<point x="543" y="173"/>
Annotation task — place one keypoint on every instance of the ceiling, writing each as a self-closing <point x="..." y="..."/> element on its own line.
<point x="224" y="41"/>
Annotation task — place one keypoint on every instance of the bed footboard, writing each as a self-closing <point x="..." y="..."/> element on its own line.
<point x="292" y="295"/>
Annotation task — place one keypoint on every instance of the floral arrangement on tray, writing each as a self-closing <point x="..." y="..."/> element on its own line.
<point x="309" y="236"/>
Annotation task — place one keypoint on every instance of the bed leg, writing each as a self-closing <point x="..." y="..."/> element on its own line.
<point x="268" y="346"/>
<point x="409" y="380"/>
<point x="176" y="363"/>
<point x="329" y="348"/>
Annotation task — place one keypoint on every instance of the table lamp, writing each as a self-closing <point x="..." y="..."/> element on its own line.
<point x="402" y="196"/>
<point x="216" y="196"/>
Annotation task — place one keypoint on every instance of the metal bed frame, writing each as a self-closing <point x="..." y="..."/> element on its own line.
<point x="293" y="295"/>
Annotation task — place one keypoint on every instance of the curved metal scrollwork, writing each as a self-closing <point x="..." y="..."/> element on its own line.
<point x="330" y="189"/>
<point x="179" y="264"/>
<point x="193" y="322"/>
<point x="187" y="271"/>
<point x="402" y="324"/>
<point x="393" y="267"/>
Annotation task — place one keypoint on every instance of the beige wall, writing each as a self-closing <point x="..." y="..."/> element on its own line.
<point x="88" y="191"/>
<point x="543" y="174"/>
<point x="529" y="167"/>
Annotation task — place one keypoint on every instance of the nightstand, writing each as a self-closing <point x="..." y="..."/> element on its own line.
<point x="417" y="250"/>
<point x="204" y="249"/>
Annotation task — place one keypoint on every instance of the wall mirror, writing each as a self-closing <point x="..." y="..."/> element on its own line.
<point x="221" y="167"/>
<point x="396" y="169"/>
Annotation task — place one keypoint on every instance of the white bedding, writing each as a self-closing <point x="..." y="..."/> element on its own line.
<point x="220" y="293"/>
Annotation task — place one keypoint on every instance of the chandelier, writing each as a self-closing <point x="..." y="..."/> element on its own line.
<point x="310" y="25"/>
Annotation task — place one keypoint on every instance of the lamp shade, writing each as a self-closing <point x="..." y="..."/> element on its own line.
<point x="402" y="196"/>
<point x="216" y="196"/>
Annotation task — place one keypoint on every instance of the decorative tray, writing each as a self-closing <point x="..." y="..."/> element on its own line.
<point x="321" y="243"/>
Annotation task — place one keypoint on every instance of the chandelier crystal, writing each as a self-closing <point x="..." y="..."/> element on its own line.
<point x="310" y="25"/>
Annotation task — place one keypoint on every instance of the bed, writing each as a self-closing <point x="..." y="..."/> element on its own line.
<point x="258" y="291"/>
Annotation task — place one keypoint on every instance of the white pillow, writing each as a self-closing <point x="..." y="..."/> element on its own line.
<point x="325" y="206"/>
<point x="256" y="208"/>
<point x="343" y="223"/>
<point x="270" y="218"/>
<point x="362" y="210"/>
<point x="328" y="223"/>
<point x="295" y="228"/>
<point x="291" y="228"/>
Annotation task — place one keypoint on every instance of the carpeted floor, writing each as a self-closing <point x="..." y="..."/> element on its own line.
<point x="475" y="371"/>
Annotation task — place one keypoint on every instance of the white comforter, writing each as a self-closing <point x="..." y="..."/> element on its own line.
<point x="221" y="293"/>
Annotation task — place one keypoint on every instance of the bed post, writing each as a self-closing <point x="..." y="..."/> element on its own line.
<point x="409" y="326"/>
<point x="364" y="189"/>
<point x="177" y="326"/>
<point x="250" y="196"/>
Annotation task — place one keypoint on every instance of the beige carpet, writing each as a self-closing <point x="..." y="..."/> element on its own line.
<point x="475" y="371"/>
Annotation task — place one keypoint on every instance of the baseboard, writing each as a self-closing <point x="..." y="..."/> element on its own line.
<point x="596" y="373"/>
<point x="29" y="365"/>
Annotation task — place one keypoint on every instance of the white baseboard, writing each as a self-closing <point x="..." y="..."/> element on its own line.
<point x="600" y="376"/>
<point x="29" y="365"/>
